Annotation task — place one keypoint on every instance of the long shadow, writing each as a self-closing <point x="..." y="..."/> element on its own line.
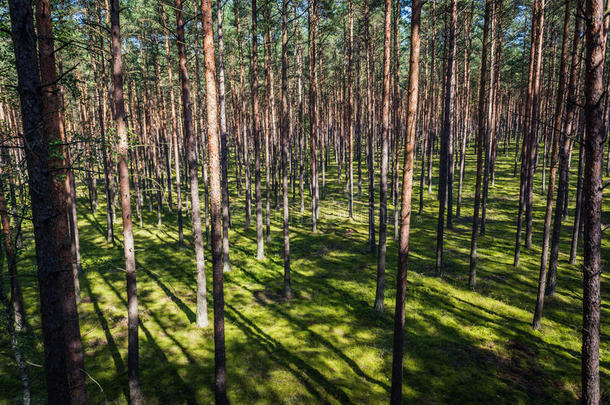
<point x="284" y="357"/>
<point x="119" y="365"/>
<point x="325" y="342"/>
<point x="185" y="389"/>
<point x="183" y="307"/>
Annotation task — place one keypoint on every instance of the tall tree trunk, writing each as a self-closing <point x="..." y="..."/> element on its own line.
<point x="191" y="148"/>
<point x="174" y="129"/>
<point x="447" y="134"/>
<point x="243" y="129"/>
<point x="350" y="107"/>
<point x="595" y="39"/>
<point x="370" y="127"/>
<point x="405" y="208"/>
<point x="220" y="368"/>
<point x="553" y="171"/>
<point x="135" y="392"/>
<point x="43" y="214"/>
<point x="224" y="147"/>
<point x="284" y="140"/>
<point x="480" y="134"/>
<point x="260" y="244"/>
<point x="313" y="111"/>
<point x="61" y="198"/>
<point x="383" y="193"/>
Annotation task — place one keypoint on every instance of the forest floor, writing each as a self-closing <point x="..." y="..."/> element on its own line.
<point x="327" y="345"/>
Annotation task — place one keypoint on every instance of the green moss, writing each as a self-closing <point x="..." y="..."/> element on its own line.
<point x="327" y="345"/>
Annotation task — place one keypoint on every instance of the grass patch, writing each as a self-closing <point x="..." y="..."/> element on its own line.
<point x="327" y="345"/>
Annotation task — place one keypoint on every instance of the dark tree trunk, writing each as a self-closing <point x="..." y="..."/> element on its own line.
<point x="61" y="199"/>
<point x="480" y="135"/>
<point x="566" y="142"/>
<point x="226" y="264"/>
<point x="43" y="213"/>
<point x="370" y="129"/>
<point x="446" y="135"/>
<point x="383" y="191"/>
<point x="553" y="170"/>
<point x="313" y="111"/>
<point x="595" y="39"/>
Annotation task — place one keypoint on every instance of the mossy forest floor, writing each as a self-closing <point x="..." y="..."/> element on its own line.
<point x="327" y="345"/>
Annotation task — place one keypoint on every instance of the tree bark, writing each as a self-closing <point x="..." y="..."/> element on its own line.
<point x="260" y="244"/>
<point x="383" y="191"/>
<point x="595" y="38"/>
<point x="472" y="279"/>
<point x="135" y="391"/>
<point x="405" y="208"/>
<point x="220" y="368"/>
<point x="553" y="170"/>
<point x="226" y="264"/>
<point x="284" y="140"/>
<point x="447" y="134"/>
<point x="61" y="198"/>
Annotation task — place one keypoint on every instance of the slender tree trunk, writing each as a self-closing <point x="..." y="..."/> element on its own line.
<point x="243" y="129"/>
<point x="220" y="368"/>
<point x="370" y="128"/>
<point x="553" y="170"/>
<point x="16" y="300"/>
<point x="223" y="142"/>
<point x="313" y="111"/>
<point x="350" y="107"/>
<point x="466" y="125"/>
<point x="260" y="244"/>
<point x="447" y="134"/>
<point x="405" y="209"/>
<point x="383" y="193"/>
<point x="135" y="392"/>
<point x="174" y="129"/>
<point x="480" y="135"/>
<point x="284" y="140"/>
<point x="577" y="228"/>
<point x="191" y="148"/>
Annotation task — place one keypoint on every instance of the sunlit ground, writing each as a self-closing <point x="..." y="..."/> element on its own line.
<point x="327" y="345"/>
